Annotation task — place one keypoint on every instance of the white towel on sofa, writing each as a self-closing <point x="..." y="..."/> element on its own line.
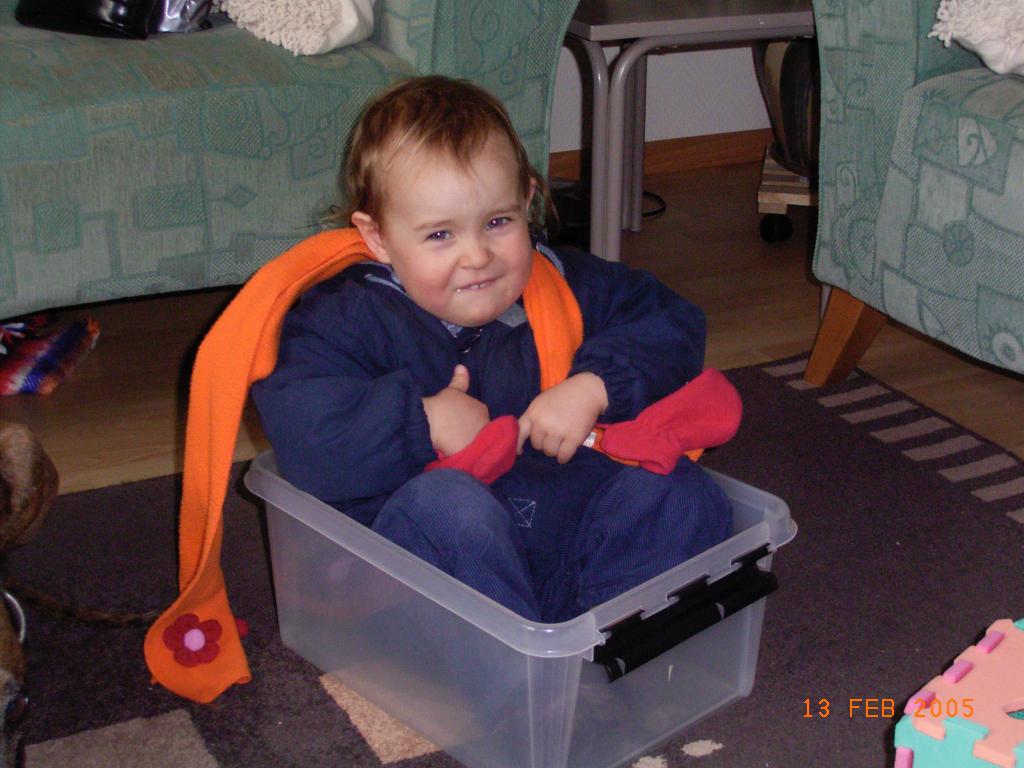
<point x="993" y="29"/>
<point x="304" y="26"/>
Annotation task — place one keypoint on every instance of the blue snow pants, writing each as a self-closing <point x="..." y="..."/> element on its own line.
<point x="550" y="541"/>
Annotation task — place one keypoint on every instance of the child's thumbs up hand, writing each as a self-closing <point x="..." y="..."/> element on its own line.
<point x="454" y="416"/>
<point x="460" y="379"/>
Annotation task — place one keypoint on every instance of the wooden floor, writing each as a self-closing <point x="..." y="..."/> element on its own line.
<point x="121" y="416"/>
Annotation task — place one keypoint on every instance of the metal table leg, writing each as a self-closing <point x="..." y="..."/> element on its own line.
<point x="610" y="109"/>
<point x="599" y="145"/>
<point x="633" y="219"/>
<point x="617" y="110"/>
<point x="624" y="63"/>
<point x="628" y="148"/>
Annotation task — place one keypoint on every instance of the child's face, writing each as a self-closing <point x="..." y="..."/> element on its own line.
<point x="456" y="236"/>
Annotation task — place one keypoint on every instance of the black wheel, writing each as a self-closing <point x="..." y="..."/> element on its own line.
<point x="776" y="227"/>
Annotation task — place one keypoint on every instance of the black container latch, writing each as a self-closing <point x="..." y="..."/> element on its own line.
<point x="635" y="640"/>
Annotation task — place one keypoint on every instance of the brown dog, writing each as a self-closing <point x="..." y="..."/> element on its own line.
<point x="28" y="486"/>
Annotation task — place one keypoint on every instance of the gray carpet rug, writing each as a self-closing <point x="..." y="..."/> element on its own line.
<point x="911" y="543"/>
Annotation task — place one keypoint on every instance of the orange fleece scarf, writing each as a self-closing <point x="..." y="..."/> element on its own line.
<point x="194" y="647"/>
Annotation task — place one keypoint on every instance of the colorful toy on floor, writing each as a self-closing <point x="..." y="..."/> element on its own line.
<point x="35" y="359"/>
<point x="970" y="716"/>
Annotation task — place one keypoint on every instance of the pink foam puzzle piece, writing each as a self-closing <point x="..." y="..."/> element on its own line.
<point x="904" y="758"/>
<point x="990" y="677"/>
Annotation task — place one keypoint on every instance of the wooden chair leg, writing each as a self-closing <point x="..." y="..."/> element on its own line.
<point x="846" y="331"/>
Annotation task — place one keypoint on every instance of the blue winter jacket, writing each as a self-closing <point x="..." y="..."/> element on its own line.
<point x="343" y="408"/>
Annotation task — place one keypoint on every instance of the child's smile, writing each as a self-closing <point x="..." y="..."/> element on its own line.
<point x="474" y="286"/>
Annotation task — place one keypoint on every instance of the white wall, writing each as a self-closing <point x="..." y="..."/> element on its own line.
<point x="689" y="93"/>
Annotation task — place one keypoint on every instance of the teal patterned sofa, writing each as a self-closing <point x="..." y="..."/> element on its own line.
<point x="921" y="188"/>
<point x="188" y="160"/>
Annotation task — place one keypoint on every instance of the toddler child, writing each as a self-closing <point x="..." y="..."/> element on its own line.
<point x="397" y="360"/>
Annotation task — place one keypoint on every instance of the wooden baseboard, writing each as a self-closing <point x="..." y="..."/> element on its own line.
<point x="685" y="154"/>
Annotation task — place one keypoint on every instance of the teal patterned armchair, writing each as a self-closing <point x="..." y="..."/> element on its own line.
<point x="188" y="160"/>
<point x="921" y="188"/>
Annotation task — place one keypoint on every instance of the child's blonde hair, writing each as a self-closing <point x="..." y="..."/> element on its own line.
<point x="433" y="113"/>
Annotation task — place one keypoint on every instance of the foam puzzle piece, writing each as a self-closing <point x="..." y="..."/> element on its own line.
<point x="962" y="718"/>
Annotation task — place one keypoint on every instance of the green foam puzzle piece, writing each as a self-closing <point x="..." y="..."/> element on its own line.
<point x="955" y="751"/>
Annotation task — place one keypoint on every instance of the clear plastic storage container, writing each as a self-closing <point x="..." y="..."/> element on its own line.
<point x="495" y="690"/>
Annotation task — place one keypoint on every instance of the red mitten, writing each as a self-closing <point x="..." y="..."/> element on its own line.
<point x="704" y="413"/>
<point x="491" y="454"/>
